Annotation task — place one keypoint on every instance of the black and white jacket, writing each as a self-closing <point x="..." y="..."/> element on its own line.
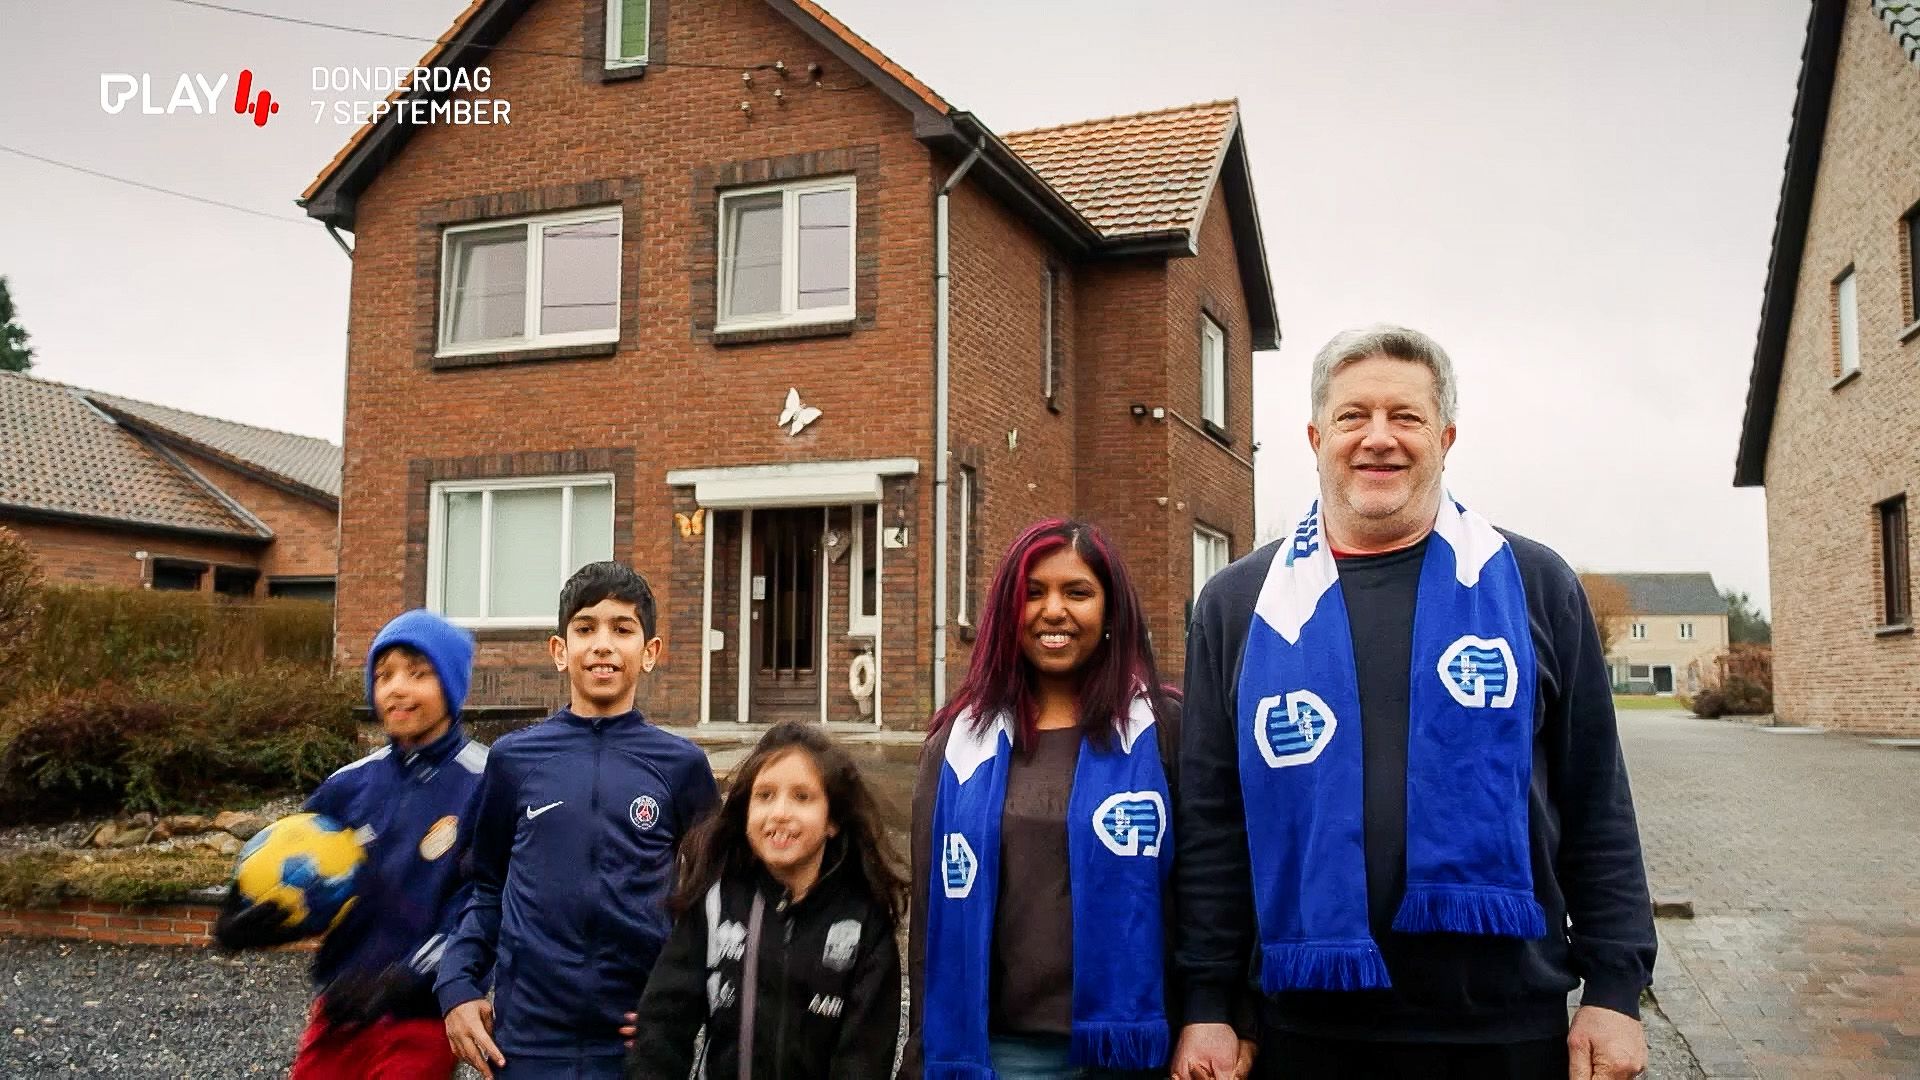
<point x="815" y="993"/>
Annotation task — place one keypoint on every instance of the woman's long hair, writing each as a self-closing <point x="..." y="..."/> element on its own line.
<point x="717" y="847"/>
<point x="1001" y="679"/>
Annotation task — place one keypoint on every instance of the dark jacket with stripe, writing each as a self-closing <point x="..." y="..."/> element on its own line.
<point x="825" y="998"/>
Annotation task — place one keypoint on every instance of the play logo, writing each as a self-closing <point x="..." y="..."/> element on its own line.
<point x="192" y="93"/>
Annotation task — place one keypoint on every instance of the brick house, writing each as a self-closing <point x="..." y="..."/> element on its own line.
<point x="737" y="299"/>
<point x="1667" y="639"/>
<point x="112" y="491"/>
<point x="1830" y="429"/>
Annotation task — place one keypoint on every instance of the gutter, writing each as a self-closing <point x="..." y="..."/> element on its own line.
<point x="942" y="376"/>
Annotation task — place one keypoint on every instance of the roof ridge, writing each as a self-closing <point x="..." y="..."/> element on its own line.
<point x="215" y="419"/>
<point x="1143" y="114"/>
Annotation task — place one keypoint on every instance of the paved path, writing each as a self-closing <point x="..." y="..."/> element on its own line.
<point x="1801" y="854"/>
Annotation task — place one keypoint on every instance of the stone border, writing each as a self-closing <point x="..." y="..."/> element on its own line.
<point x="117" y="924"/>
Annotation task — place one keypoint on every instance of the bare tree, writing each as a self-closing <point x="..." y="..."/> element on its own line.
<point x="1608" y="599"/>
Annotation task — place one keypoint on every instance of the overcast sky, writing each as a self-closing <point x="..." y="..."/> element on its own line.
<point x="1577" y="200"/>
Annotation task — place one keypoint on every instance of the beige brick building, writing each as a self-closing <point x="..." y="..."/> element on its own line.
<point x="1673" y="628"/>
<point x="1831" y="430"/>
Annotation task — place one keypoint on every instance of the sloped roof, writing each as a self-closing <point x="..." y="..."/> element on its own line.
<point x="67" y="458"/>
<point x="1120" y="186"/>
<point x="301" y="460"/>
<point x="1818" y="62"/>
<point x="1671" y="594"/>
<point x="1148" y="172"/>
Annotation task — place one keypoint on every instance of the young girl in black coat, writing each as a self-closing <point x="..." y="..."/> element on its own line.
<point x="784" y="943"/>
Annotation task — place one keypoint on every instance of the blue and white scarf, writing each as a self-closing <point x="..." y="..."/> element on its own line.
<point x="1119" y="853"/>
<point x="1469" y="757"/>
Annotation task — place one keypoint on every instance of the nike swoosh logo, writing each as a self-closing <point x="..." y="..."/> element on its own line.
<point x="532" y="813"/>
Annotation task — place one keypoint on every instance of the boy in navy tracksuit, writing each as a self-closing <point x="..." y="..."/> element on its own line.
<point x="411" y="803"/>
<point x="580" y="817"/>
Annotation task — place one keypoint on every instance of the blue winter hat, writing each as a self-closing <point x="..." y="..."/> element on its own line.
<point x="446" y="646"/>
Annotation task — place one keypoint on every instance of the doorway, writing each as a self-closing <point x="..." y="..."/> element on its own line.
<point x="785" y="613"/>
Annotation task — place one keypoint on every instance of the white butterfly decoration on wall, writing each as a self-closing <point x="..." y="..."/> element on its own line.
<point x="795" y="417"/>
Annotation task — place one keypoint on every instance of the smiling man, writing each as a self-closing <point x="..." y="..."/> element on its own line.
<point x="580" y="819"/>
<point x="1405" y="816"/>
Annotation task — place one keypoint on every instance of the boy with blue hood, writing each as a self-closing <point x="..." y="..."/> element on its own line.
<point x="411" y="803"/>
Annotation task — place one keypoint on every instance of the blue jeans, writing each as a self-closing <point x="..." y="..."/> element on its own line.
<point x="1044" y="1057"/>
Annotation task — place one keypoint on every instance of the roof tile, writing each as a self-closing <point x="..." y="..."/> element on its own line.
<point x="1127" y="175"/>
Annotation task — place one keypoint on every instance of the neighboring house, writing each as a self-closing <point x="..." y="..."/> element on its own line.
<point x="111" y="491"/>
<point x="1831" y="430"/>
<point x="1673" y="628"/>
<point x="807" y="348"/>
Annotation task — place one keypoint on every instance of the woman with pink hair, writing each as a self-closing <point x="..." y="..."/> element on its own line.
<point x="1042" y="918"/>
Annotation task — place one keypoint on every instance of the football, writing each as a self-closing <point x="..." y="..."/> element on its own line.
<point x="306" y="863"/>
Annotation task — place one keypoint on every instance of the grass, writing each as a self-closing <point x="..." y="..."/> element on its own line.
<point x="45" y="878"/>
<point x="1646" y="703"/>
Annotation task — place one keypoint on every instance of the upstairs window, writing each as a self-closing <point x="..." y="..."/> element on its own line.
<point x="1910" y="240"/>
<point x="1846" y="323"/>
<point x="1639" y="632"/>
<point x="1686" y="631"/>
<point x="530" y="283"/>
<point x="1213" y="373"/>
<point x="786" y="255"/>
<point x="1895" y="609"/>
<point x="1050" y="341"/>
<point x="626" y="33"/>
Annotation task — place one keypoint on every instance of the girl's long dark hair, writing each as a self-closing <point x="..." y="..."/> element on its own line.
<point x="1001" y="680"/>
<point x="717" y="847"/>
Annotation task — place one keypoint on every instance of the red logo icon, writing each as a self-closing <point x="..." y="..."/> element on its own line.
<point x="261" y="106"/>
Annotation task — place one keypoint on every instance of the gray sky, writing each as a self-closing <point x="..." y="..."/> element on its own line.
<point x="1577" y="200"/>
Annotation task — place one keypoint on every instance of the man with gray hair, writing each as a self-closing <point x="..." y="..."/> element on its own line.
<point x="1404" y="814"/>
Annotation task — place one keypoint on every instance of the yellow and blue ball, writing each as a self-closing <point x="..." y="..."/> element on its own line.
<point x="307" y="864"/>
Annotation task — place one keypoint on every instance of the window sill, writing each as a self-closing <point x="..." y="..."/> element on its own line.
<point x="1893" y="630"/>
<point x="1217" y="433"/>
<point x="622" y="72"/>
<point x="1844" y="379"/>
<point x="510" y="633"/>
<point x="524" y="355"/>
<point x="752" y="335"/>
<point x="1910" y="333"/>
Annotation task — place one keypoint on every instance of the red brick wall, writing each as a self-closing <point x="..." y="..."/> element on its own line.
<point x="1835" y="451"/>
<point x="118" y="924"/>
<point x="668" y="393"/>
<point x="77" y="554"/>
<point x="304" y="532"/>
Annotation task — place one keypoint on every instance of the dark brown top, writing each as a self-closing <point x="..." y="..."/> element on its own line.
<point x="1032" y="987"/>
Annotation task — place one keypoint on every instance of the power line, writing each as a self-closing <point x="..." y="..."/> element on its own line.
<point x="155" y="188"/>
<point x="271" y="17"/>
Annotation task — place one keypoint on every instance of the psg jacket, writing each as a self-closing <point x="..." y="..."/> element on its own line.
<point x="412" y="811"/>
<point x="579" y="822"/>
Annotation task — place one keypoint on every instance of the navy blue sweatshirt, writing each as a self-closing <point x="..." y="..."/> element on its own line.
<point x="580" y="819"/>
<point x="413" y="812"/>
<point x="1585" y="844"/>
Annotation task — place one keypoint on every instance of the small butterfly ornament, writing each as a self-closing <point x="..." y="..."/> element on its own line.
<point x="691" y="525"/>
<point x="795" y="417"/>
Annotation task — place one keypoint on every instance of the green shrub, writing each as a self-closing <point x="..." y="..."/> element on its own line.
<point x="44" y="878"/>
<point x="88" y="635"/>
<point x="20" y="603"/>
<point x="179" y="740"/>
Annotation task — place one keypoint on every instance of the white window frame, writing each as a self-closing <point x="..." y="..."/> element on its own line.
<point x="1206" y="541"/>
<point x="790" y="313"/>
<point x="616" y="11"/>
<point x="1686" y="631"/>
<point x="1638" y="632"/>
<point x="1050" y="283"/>
<point x="536" y="340"/>
<point x="1213" y="372"/>
<point x="437" y="535"/>
<point x="859" y="624"/>
<point x="963" y="576"/>
<point x="1846" y="313"/>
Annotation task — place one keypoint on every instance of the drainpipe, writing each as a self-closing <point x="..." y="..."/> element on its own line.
<point x="941" y="377"/>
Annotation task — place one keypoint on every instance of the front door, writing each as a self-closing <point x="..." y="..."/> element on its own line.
<point x="785" y="605"/>
<point x="1662" y="679"/>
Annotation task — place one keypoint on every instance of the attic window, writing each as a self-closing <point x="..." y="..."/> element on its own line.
<point x="626" y="33"/>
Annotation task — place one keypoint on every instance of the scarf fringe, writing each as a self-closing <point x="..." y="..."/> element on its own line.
<point x="957" y="1070"/>
<point x="1322" y="966"/>
<point x="1430" y="909"/>
<point x="1110" y="1045"/>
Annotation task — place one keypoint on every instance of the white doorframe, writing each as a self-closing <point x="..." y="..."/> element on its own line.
<point x="746" y="612"/>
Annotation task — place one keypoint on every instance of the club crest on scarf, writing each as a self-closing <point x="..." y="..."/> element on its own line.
<point x="1131" y="823"/>
<point x="1293" y="729"/>
<point x="958" y="866"/>
<point x="1479" y="673"/>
